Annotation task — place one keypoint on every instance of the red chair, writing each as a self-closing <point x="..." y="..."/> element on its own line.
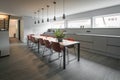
<point x="47" y="44"/>
<point x="29" y="39"/>
<point x="47" y="47"/>
<point x="34" y="42"/>
<point x="55" y="46"/>
<point x="42" y="45"/>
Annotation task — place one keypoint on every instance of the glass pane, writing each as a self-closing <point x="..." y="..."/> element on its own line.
<point x="57" y="24"/>
<point x="112" y="21"/>
<point x="107" y="21"/>
<point x="86" y="23"/>
<point x="99" y="22"/>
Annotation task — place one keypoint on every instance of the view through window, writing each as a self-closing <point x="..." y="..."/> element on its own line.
<point x="85" y="23"/>
<point x="57" y="24"/>
<point x="110" y="21"/>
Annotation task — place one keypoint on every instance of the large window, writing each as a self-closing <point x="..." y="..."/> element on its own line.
<point x="85" y="23"/>
<point x="57" y="24"/>
<point x="109" y="21"/>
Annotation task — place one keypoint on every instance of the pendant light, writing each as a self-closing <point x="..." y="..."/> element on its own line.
<point x="42" y="15"/>
<point x="54" y="11"/>
<point x="48" y="13"/>
<point x="38" y="16"/>
<point x="64" y="10"/>
<point x="35" y="17"/>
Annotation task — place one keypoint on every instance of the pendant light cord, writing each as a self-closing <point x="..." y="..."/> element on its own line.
<point x="54" y="10"/>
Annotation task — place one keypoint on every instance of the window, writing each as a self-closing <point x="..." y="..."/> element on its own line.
<point x="110" y="21"/>
<point x="57" y="24"/>
<point x="85" y="23"/>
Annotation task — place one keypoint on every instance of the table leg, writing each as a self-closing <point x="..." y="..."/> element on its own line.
<point x="64" y="61"/>
<point x="78" y="51"/>
<point x="27" y="42"/>
<point x="38" y="45"/>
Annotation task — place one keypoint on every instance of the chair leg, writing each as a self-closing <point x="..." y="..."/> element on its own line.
<point x="54" y="59"/>
<point x="43" y="51"/>
<point x="75" y="52"/>
<point x="50" y="56"/>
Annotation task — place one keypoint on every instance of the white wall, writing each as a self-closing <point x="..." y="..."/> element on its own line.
<point x="30" y="27"/>
<point x="89" y="14"/>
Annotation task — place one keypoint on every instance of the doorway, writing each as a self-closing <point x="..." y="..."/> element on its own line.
<point x="14" y="28"/>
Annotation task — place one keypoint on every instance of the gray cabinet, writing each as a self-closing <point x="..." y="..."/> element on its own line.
<point x="113" y="46"/>
<point x="102" y="44"/>
<point x="86" y="41"/>
<point x="85" y="38"/>
<point x="71" y="36"/>
<point x="99" y="43"/>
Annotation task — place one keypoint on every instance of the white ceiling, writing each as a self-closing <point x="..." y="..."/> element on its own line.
<point x="28" y="7"/>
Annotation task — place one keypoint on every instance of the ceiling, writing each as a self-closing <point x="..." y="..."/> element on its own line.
<point x="28" y="7"/>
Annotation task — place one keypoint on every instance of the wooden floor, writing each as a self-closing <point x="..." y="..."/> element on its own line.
<point x="25" y="64"/>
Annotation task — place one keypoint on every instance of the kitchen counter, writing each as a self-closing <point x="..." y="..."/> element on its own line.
<point x="94" y="35"/>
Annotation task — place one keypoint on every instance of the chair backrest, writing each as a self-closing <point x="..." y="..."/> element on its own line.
<point x="47" y="44"/>
<point x="56" y="46"/>
<point x="29" y="37"/>
<point x="33" y="39"/>
<point x="41" y="41"/>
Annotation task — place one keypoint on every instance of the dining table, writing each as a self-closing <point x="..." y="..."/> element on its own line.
<point x="64" y="43"/>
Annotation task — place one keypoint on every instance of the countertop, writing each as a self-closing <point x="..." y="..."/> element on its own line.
<point x="101" y="35"/>
<point x="89" y="34"/>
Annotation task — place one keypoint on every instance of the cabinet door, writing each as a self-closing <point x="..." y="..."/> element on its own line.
<point x="87" y="45"/>
<point x="99" y="43"/>
<point x="86" y="38"/>
<point x="86" y="41"/>
<point x="113" y="41"/>
<point x="113" y="46"/>
<point x="113" y="50"/>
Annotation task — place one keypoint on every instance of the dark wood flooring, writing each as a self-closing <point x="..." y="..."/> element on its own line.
<point x="25" y="64"/>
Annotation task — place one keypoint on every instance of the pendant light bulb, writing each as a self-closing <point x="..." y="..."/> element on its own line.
<point x="35" y="17"/>
<point x="38" y="16"/>
<point x="48" y="13"/>
<point x="64" y="16"/>
<point x="42" y="15"/>
<point x="54" y="11"/>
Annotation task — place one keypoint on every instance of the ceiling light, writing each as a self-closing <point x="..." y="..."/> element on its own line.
<point x="38" y="16"/>
<point x="54" y="11"/>
<point x="35" y="17"/>
<point x="48" y="13"/>
<point x="64" y="10"/>
<point x="42" y="15"/>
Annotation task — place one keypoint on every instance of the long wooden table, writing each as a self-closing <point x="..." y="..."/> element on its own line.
<point x="65" y="44"/>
